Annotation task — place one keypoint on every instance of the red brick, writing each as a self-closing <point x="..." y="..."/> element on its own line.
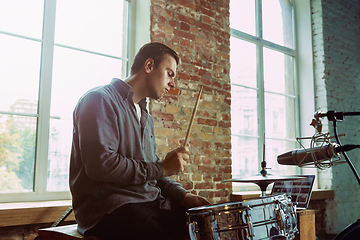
<point x="186" y="3"/>
<point x="195" y="78"/>
<point x="218" y="145"/>
<point x="195" y="143"/>
<point x="204" y="73"/>
<point x="211" y="169"/>
<point x="226" y="169"/>
<point x="206" y="161"/>
<point x="184" y="26"/>
<point x="173" y="23"/>
<point x="186" y="19"/>
<point x="227" y="145"/>
<point x="163" y="116"/>
<point x="207" y="178"/>
<point x="174" y="91"/>
<point x="218" y="178"/>
<point x="206" y="11"/>
<point x="157" y="35"/>
<point x="183" y="34"/>
<point x="206" y="144"/>
<point x="227" y="101"/>
<point x="155" y="18"/>
<point x="224" y="124"/>
<point x="208" y="122"/>
<point x="204" y="185"/>
<point x="156" y="9"/>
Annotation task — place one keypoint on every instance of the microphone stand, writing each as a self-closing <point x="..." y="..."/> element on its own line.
<point x="353" y="230"/>
<point x="345" y="155"/>
<point x="338" y="117"/>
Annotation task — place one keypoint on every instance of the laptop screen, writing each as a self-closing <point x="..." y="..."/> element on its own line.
<point x="299" y="189"/>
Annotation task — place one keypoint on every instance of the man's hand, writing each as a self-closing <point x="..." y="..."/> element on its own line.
<point x="190" y="200"/>
<point x="175" y="161"/>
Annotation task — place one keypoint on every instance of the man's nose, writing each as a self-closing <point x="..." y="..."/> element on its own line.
<point x="172" y="82"/>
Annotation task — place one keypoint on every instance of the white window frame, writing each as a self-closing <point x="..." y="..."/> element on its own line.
<point x="138" y="34"/>
<point x="304" y="77"/>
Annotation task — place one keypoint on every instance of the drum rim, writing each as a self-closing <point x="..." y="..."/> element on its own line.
<point x="238" y="204"/>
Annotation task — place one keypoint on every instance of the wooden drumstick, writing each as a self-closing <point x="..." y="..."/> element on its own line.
<point x="192" y="118"/>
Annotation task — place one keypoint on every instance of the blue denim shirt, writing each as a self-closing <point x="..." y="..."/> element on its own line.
<point x="113" y="156"/>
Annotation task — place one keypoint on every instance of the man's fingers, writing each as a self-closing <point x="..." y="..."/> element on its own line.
<point x="204" y="201"/>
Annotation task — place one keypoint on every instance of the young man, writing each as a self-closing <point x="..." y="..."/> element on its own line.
<point x="120" y="188"/>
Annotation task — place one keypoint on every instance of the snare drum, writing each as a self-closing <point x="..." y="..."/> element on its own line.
<point x="272" y="217"/>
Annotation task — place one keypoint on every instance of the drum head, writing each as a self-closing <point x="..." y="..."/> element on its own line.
<point x="238" y="204"/>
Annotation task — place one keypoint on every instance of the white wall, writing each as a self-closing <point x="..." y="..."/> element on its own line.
<point x="336" y="46"/>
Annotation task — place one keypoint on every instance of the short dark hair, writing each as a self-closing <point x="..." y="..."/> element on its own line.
<point x="154" y="50"/>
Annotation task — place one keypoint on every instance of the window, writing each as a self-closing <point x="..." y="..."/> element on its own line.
<point x="264" y="106"/>
<point x="52" y="52"/>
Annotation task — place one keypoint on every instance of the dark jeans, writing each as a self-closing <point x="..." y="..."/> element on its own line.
<point x="142" y="221"/>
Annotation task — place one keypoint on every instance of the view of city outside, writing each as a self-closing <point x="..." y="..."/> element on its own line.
<point x="17" y="148"/>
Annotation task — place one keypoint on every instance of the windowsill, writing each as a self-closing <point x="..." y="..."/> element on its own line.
<point x="13" y="214"/>
<point x="24" y="213"/>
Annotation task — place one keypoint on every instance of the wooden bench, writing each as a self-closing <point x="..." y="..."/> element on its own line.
<point x="68" y="232"/>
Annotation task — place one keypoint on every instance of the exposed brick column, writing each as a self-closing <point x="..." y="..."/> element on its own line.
<point x="199" y="31"/>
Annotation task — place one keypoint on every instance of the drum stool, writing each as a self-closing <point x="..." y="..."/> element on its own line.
<point x="67" y="232"/>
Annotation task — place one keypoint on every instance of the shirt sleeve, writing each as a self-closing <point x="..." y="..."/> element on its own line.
<point x="171" y="188"/>
<point x="96" y="121"/>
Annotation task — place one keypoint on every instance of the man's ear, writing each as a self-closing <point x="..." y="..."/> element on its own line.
<point x="149" y="65"/>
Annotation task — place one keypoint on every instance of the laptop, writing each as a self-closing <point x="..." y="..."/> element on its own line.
<point x="300" y="190"/>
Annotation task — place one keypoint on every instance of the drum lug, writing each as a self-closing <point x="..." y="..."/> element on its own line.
<point x="280" y="215"/>
<point x="248" y="222"/>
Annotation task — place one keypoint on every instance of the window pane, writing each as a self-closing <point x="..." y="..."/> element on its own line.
<point x="278" y="22"/>
<point x="243" y="111"/>
<point x="279" y="116"/>
<point x="272" y="149"/>
<point x="245" y="156"/>
<point x="22" y="17"/>
<point x="20" y="68"/>
<point x="242" y="16"/>
<point x="92" y="25"/>
<point x="243" y="63"/>
<point x="278" y="72"/>
<point x="60" y="139"/>
<point x="17" y="153"/>
<point x="75" y="73"/>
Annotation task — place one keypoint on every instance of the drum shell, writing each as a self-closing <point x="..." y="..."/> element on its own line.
<point x="272" y="217"/>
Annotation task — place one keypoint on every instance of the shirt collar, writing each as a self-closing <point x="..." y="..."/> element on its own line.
<point x="124" y="90"/>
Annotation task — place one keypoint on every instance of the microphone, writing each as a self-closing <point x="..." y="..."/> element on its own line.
<point x="312" y="155"/>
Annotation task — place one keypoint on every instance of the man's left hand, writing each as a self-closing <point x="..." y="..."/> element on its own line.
<point x="190" y="200"/>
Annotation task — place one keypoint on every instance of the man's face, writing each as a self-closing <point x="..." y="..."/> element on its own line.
<point x="162" y="77"/>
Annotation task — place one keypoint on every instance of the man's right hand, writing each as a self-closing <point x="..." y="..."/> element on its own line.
<point x="175" y="161"/>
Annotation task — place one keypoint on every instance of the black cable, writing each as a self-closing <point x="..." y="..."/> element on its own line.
<point x="345" y="155"/>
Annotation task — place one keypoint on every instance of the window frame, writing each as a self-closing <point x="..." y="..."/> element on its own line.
<point x="139" y="16"/>
<point x="303" y="76"/>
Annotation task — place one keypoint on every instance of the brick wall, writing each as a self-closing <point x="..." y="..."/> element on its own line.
<point x="199" y="31"/>
<point x="336" y="37"/>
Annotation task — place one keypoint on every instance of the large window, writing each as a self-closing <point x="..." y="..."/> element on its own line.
<point x="51" y="53"/>
<point x="264" y="109"/>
